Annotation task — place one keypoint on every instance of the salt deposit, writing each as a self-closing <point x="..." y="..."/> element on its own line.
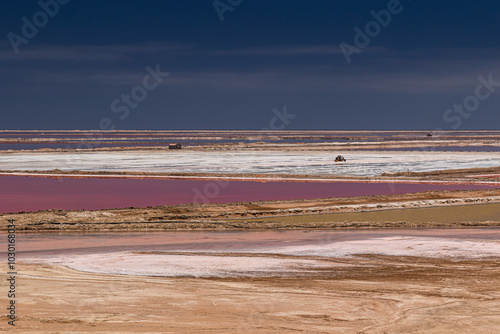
<point x="308" y="254"/>
<point x="306" y="162"/>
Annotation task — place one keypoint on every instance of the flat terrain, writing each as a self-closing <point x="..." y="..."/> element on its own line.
<point x="386" y="211"/>
<point x="210" y="140"/>
<point x="280" y="266"/>
<point x="247" y="161"/>
<point x="461" y="174"/>
<point x="390" y="295"/>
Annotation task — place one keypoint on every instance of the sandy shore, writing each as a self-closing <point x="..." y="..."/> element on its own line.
<point x="390" y="295"/>
<point x="413" y="281"/>
<point x="261" y="215"/>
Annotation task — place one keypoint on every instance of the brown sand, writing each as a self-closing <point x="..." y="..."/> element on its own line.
<point x="391" y="295"/>
<point x="243" y="215"/>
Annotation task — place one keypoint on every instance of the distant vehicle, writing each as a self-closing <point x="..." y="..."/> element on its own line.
<point x="340" y="158"/>
<point x="176" y="146"/>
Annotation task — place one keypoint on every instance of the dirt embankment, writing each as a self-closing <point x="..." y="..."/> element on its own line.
<point x="238" y="215"/>
<point x="447" y="174"/>
<point x="465" y="174"/>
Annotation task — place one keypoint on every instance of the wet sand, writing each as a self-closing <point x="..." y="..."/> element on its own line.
<point x="446" y="215"/>
<point x="65" y="243"/>
<point x="426" y="209"/>
<point x="294" y="253"/>
<point x="366" y="293"/>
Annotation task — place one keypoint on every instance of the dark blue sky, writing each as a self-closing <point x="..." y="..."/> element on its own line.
<point x="77" y="70"/>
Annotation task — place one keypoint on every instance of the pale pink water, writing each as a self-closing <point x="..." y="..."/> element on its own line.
<point x="225" y="254"/>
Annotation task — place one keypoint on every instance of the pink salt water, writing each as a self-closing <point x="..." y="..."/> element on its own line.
<point x="23" y="193"/>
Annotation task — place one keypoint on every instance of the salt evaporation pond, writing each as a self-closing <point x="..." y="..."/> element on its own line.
<point x="247" y="253"/>
<point x="260" y="162"/>
<point x="23" y="193"/>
